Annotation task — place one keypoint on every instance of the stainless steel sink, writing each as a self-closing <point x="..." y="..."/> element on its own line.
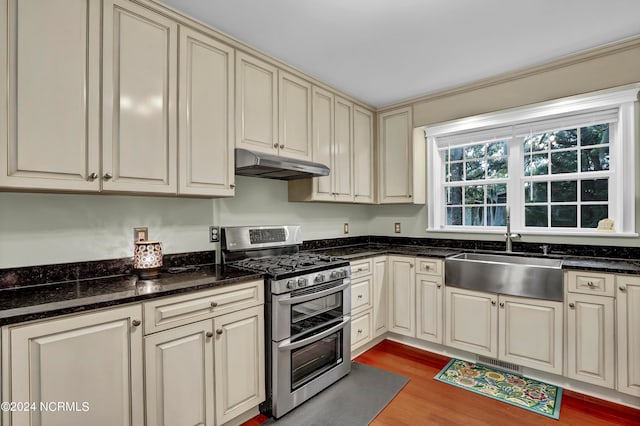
<point x="539" y="278"/>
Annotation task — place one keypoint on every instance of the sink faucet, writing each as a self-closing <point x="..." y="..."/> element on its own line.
<point x="509" y="235"/>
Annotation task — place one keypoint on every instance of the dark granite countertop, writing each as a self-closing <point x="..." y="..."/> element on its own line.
<point x="363" y="251"/>
<point x="47" y="300"/>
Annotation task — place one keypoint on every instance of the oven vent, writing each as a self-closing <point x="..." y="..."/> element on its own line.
<point x="508" y="366"/>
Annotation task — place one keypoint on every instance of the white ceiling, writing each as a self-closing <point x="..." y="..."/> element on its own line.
<point x="384" y="51"/>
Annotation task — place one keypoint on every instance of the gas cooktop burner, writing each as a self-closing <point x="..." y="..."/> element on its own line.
<point x="278" y="265"/>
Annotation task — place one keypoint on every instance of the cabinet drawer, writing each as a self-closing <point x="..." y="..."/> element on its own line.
<point x="429" y="266"/>
<point x="360" y="329"/>
<point x="169" y="312"/>
<point x="361" y="268"/>
<point x="361" y="294"/>
<point x="591" y="283"/>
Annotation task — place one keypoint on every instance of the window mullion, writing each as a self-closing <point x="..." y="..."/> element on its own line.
<point x="515" y="185"/>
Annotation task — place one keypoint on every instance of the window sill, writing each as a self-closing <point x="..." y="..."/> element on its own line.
<point x="501" y="232"/>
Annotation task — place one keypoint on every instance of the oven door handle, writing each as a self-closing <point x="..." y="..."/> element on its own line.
<point x="312" y="296"/>
<point x="286" y="345"/>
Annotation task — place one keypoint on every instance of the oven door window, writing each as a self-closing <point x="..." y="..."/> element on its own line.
<point x="316" y="313"/>
<point x="312" y="360"/>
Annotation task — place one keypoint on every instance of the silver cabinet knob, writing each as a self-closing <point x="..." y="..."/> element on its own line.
<point x="359" y="296"/>
<point x="214" y="304"/>
<point x="136" y="323"/>
<point x="502" y="304"/>
<point x="219" y="331"/>
<point x="572" y="305"/>
<point x="359" y="331"/>
<point x="281" y="146"/>
<point x="493" y="303"/>
<point x="622" y="289"/>
<point x="232" y="186"/>
<point x="209" y="334"/>
<point x="439" y="286"/>
<point x="275" y="145"/>
<point x="590" y="284"/>
<point x="107" y="176"/>
<point x="93" y="176"/>
<point x="426" y="267"/>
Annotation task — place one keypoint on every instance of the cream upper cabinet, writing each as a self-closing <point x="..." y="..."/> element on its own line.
<point x="590" y="339"/>
<point x="363" y="189"/>
<point x="380" y="295"/>
<point x="256" y="104"/>
<point x="206" y="116"/>
<point x="530" y="333"/>
<point x="395" y="156"/>
<point x="343" y="148"/>
<point x="471" y="321"/>
<point x="139" y="150"/>
<point x="239" y="362"/>
<point x="93" y="358"/>
<point x="628" y="325"/>
<point x="402" y="289"/>
<point x="178" y="372"/>
<point x="322" y="147"/>
<point x="429" y="304"/>
<point x="49" y="96"/>
<point x="294" y="116"/>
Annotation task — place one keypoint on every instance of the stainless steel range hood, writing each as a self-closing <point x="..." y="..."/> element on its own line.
<point x="257" y="164"/>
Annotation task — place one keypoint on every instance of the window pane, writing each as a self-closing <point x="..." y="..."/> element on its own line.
<point x="536" y="143"/>
<point x="474" y="151"/>
<point x="537" y="164"/>
<point x="455" y="172"/>
<point x="594" y="190"/>
<point x="454" y="196"/>
<point x="536" y="216"/>
<point x="496" y="215"/>
<point x="564" y="162"/>
<point x="563" y="139"/>
<point x="591" y="215"/>
<point x="497" y="149"/>
<point x="454" y="215"/>
<point x="595" y="159"/>
<point x="564" y="216"/>
<point x="564" y="191"/>
<point x="535" y="192"/>
<point x="594" y="135"/>
<point x="475" y="170"/>
<point x="497" y="168"/>
<point x="474" y="194"/>
<point x="474" y="216"/>
<point x="497" y="194"/>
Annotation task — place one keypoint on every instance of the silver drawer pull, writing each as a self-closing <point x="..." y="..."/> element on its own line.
<point x="359" y="331"/>
<point x="359" y="296"/>
<point x="590" y="284"/>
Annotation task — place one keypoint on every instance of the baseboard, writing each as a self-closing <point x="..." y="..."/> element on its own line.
<point x="586" y="389"/>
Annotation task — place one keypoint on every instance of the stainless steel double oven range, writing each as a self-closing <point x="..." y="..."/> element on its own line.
<point x="307" y="312"/>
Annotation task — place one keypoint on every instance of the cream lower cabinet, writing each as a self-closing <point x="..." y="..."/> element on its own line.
<point x="380" y="295"/>
<point x="429" y="304"/>
<point x="205" y="371"/>
<point x="362" y="281"/>
<point x="471" y="322"/>
<point x="590" y="339"/>
<point x="49" y="96"/>
<point x="628" y="327"/>
<point x="92" y="360"/>
<point x="402" y="295"/>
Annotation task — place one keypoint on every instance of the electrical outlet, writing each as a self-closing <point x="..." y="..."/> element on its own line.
<point x="346" y="228"/>
<point x="140" y="234"/>
<point x="214" y="234"/>
<point x="396" y="227"/>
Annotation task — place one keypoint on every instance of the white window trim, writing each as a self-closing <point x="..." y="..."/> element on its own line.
<point x="624" y="98"/>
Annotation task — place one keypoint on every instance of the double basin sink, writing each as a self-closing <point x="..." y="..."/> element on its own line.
<point x="534" y="277"/>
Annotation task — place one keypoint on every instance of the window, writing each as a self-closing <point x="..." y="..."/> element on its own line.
<point x="558" y="167"/>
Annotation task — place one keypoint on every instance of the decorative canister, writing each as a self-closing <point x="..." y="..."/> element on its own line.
<point x="147" y="258"/>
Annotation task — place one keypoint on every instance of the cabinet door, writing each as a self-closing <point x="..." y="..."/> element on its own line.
<point x="322" y="120"/>
<point x="343" y="148"/>
<point x="628" y="311"/>
<point x="402" y="290"/>
<point x="49" y="96"/>
<point x="179" y="376"/>
<point x="379" y="295"/>
<point x="206" y="126"/>
<point x="530" y="333"/>
<point x="92" y="358"/>
<point x="362" y="155"/>
<point x="590" y="342"/>
<point x="256" y="104"/>
<point x="295" y="116"/>
<point x="429" y="308"/>
<point x="239" y="362"/>
<point x="471" y="321"/>
<point x="395" y="168"/>
<point x="139" y="151"/>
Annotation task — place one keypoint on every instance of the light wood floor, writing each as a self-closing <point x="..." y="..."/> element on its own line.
<point x="425" y="401"/>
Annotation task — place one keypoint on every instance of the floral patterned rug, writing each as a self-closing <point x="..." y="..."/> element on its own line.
<point x="532" y="395"/>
